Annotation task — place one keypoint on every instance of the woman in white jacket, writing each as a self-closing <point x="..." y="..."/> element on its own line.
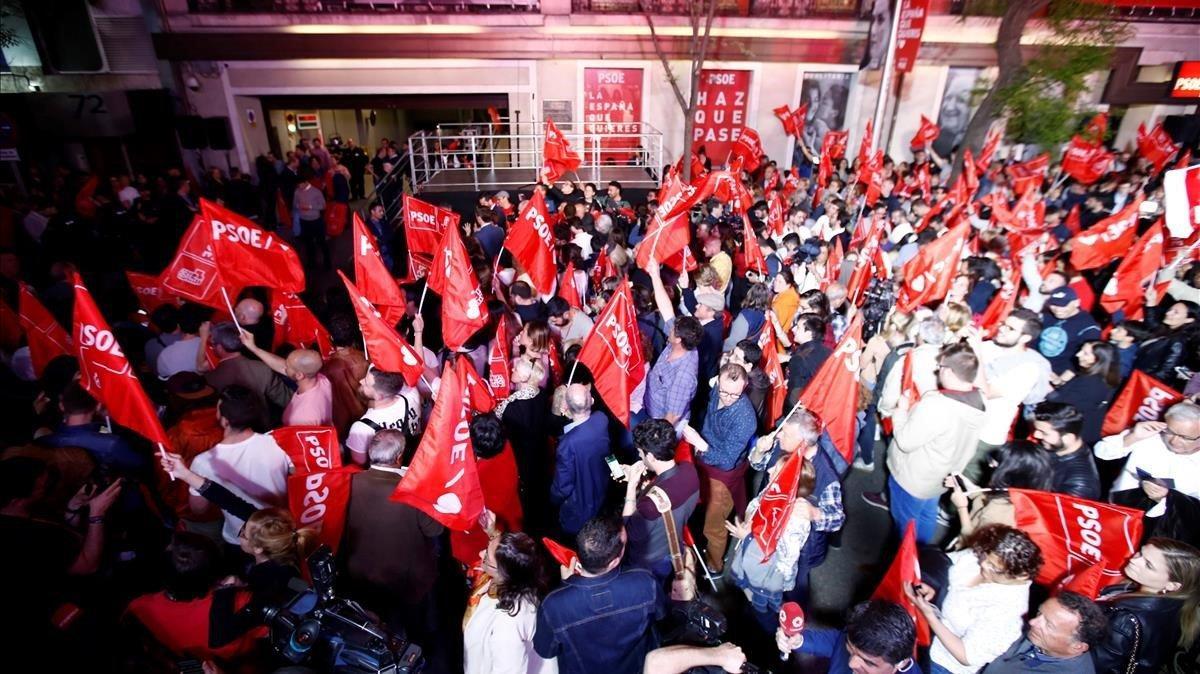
<point x="985" y="602"/>
<point x="502" y="611"/>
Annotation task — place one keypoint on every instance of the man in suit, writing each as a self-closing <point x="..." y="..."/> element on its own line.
<point x="394" y="574"/>
<point x="580" y="474"/>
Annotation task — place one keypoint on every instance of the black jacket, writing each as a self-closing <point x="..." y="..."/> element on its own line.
<point x="1075" y="474"/>
<point x="1145" y="627"/>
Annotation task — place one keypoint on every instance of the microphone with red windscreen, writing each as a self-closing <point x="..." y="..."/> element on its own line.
<point x="791" y="621"/>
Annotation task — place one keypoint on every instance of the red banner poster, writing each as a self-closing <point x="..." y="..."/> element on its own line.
<point x="721" y="111"/>
<point x="612" y="104"/>
<point x="908" y="36"/>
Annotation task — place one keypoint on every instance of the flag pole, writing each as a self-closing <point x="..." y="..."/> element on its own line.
<point x="571" y="377"/>
<point x="162" y="452"/>
<point x="421" y="304"/>
<point x="229" y="305"/>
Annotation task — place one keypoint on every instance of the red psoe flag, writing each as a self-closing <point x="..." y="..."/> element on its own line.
<point x="296" y="324"/>
<point x="193" y="273"/>
<point x="46" y="338"/>
<point x="832" y="394"/>
<point x="905" y="571"/>
<point x="386" y="349"/>
<point x="567" y="288"/>
<point x="1127" y="287"/>
<point x="482" y="399"/>
<point x="249" y="255"/>
<point x="1156" y="145"/>
<point x="926" y="133"/>
<point x="777" y="393"/>
<point x="748" y="147"/>
<point x="929" y="275"/>
<point x="613" y="353"/>
<point x="1144" y="398"/>
<point x="371" y="275"/>
<point x="453" y="277"/>
<point x="990" y="144"/>
<point x="670" y="226"/>
<point x="1075" y="533"/>
<point x="105" y="371"/>
<point x="864" y="145"/>
<point x="424" y="227"/>
<point x="319" y="501"/>
<point x="499" y="362"/>
<point x="1002" y="304"/>
<point x="443" y="481"/>
<point x="755" y="260"/>
<point x="1097" y="127"/>
<point x="149" y="291"/>
<point x="784" y="114"/>
<point x="557" y="157"/>
<point x="532" y="243"/>
<point x="561" y="553"/>
<point x="1106" y="240"/>
<point x="775" y="221"/>
<point x="1087" y="582"/>
<point x="1086" y="162"/>
<point x="312" y="449"/>
<point x="768" y="523"/>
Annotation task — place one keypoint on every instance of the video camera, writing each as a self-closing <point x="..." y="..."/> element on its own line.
<point x="336" y="635"/>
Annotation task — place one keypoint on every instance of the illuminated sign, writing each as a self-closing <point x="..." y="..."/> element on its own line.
<point x="1187" y="80"/>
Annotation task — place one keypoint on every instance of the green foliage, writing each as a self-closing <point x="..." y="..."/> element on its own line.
<point x="8" y="33"/>
<point x="1041" y="103"/>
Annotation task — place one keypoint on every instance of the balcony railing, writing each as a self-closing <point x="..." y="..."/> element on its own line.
<point x="790" y="9"/>
<point x="362" y="6"/>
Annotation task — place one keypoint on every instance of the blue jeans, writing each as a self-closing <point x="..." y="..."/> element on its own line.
<point x="908" y="508"/>
<point x="935" y="668"/>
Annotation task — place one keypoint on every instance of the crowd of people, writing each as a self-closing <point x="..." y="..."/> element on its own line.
<point x="125" y="557"/>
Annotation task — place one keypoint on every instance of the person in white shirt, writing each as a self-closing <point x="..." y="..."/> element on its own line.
<point x="249" y="464"/>
<point x="181" y="355"/>
<point x="1162" y="455"/>
<point x="986" y="596"/>
<point x="1012" y="375"/>
<point x="498" y="629"/>
<point x="570" y="323"/>
<point x="393" y="405"/>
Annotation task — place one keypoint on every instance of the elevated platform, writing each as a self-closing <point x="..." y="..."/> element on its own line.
<point x="517" y="179"/>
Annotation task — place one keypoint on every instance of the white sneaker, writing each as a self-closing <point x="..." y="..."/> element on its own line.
<point x="859" y="464"/>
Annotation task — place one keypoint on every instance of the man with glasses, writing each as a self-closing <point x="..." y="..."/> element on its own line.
<point x="1162" y="456"/>
<point x="729" y="424"/>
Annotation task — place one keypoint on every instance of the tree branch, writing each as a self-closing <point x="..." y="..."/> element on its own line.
<point x="662" y="56"/>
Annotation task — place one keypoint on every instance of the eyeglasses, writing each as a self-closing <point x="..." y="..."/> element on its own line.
<point x="1168" y="433"/>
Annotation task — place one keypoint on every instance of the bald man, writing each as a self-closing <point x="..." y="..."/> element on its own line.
<point x="312" y="404"/>
<point x="580" y="474"/>
<point x="249" y="313"/>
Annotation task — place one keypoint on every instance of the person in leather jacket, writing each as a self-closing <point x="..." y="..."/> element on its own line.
<point x="1174" y="345"/>
<point x="1058" y="427"/>
<point x="1152" y="614"/>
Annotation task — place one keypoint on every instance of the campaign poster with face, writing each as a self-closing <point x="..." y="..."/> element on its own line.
<point x="957" y="106"/>
<point x="827" y="95"/>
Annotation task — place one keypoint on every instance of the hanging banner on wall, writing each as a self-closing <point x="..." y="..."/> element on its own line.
<point x="612" y="104"/>
<point x="908" y="35"/>
<point x="957" y="106"/>
<point x="722" y="108"/>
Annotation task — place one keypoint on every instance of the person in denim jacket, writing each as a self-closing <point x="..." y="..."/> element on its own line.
<point x="601" y="619"/>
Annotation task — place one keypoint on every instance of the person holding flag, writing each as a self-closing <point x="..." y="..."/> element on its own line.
<point x="986" y="595"/>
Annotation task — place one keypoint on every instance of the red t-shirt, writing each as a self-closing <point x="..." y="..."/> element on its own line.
<point x="182" y="626"/>
<point x="498" y="478"/>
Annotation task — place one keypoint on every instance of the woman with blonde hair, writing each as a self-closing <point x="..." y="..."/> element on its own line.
<point x="1157" y="610"/>
<point x="957" y="317"/>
